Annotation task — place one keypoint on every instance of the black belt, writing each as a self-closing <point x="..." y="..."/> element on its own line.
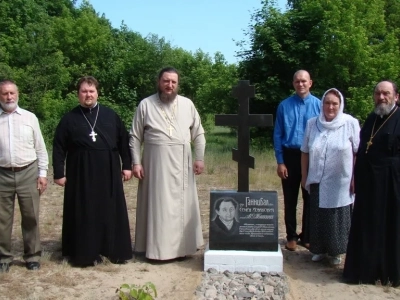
<point x="17" y="169"/>
<point x="294" y="150"/>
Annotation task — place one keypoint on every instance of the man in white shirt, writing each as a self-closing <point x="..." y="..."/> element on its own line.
<point x="23" y="171"/>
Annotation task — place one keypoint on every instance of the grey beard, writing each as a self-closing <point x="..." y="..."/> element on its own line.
<point x="383" y="109"/>
<point x="9" y="106"/>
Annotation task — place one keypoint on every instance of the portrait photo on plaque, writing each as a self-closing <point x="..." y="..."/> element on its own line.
<point x="224" y="222"/>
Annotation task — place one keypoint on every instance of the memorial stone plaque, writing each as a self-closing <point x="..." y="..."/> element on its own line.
<point x="244" y="220"/>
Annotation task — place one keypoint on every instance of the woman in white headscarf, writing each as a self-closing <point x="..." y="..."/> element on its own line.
<point x="328" y="151"/>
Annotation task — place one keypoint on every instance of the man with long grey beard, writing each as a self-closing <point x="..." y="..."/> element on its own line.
<point x="168" y="224"/>
<point x="23" y="172"/>
<point x="373" y="252"/>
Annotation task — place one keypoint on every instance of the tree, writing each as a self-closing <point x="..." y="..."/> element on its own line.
<point x="347" y="44"/>
<point x="45" y="46"/>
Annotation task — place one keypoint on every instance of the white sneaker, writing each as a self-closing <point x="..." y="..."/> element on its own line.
<point x="335" y="260"/>
<point x="318" y="257"/>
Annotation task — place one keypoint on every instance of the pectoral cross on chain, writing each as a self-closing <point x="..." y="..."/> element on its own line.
<point x="170" y="128"/>
<point x="369" y="143"/>
<point x="93" y="135"/>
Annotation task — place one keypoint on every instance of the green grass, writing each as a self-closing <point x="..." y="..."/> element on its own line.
<point x="218" y="160"/>
<point x="221" y="140"/>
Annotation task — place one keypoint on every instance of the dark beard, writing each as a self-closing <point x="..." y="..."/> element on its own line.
<point x="167" y="98"/>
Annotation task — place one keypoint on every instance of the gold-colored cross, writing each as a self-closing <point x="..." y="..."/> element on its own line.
<point x="369" y="143"/>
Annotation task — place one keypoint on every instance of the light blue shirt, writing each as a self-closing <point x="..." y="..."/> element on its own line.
<point x="291" y="120"/>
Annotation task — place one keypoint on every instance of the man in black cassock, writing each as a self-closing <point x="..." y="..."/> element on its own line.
<point x="92" y="140"/>
<point x="373" y="252"/>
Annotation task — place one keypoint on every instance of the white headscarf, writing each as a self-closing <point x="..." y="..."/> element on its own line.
<point x="338" y="120"/>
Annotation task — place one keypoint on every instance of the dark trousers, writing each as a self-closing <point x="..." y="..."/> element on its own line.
<point x="290" y="186"/>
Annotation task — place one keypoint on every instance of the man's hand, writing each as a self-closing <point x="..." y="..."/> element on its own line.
<point x="303" y="182"/>
<point x="282" y="171"/>
<point x="126" y="175"/>
<point x="61" y="181"/>
<point x="41" y="184"/>
<point x="198" y="167"/>
<point x="138" y="171"/>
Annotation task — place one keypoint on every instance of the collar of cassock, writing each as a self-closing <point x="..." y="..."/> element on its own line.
<point x="90" y="109"/>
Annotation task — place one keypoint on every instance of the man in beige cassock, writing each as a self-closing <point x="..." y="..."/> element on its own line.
<point x="168" y="221"/>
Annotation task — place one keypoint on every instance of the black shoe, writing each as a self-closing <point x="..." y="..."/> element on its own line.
<point x="181" y="258"/>
<point x="117" y="261"/>
<point x="304" y="244"/>
<point x="4" y="267"/>
<point x="32" y="265"/>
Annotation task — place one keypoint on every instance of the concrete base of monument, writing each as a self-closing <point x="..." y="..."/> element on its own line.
<point x="243" y="261"/>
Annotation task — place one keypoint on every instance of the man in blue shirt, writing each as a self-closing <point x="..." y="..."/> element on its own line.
<point x="291" y="119"/>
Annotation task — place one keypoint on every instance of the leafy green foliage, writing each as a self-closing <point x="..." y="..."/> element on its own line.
<point x="347" y="44"/>
<point x="46" y="46"/>
<point x="137" y="292"/>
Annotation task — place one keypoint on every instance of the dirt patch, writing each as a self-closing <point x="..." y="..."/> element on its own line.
<point x="173" y="279"/>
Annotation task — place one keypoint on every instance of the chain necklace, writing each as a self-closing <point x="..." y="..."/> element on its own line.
<point x="167" y="118"/>
<point x="369" y="143"/>
<point x="92" y="134"/>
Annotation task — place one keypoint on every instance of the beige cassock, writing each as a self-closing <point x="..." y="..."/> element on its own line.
<point x="168" y="223"/>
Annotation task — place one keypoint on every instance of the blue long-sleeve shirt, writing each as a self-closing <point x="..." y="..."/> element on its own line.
<point x="291" y="120"/>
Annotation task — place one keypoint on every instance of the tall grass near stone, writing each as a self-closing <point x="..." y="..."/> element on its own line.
<point x="223" y="171"/>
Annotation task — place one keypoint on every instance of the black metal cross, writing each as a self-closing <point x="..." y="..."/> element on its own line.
<point x="243" y="120"/>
